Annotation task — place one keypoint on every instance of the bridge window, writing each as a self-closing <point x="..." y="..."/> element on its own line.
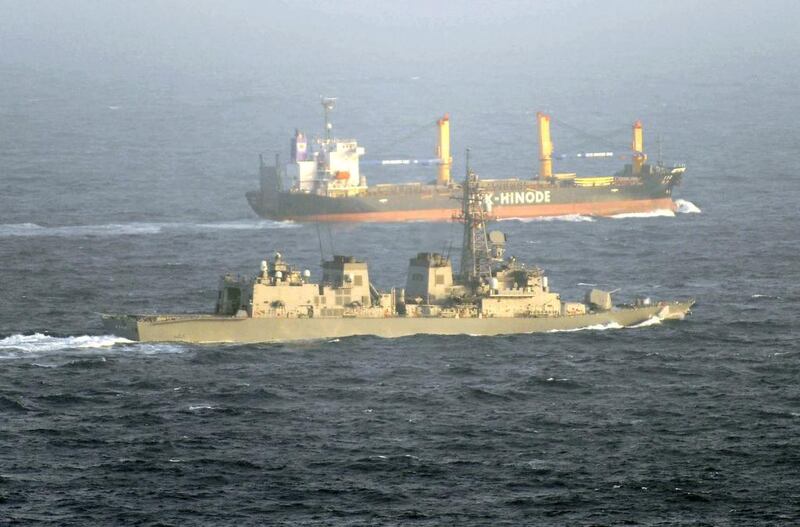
<point x="358" y="280"/>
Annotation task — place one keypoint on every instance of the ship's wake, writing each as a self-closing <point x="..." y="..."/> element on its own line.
<point x="682" y="206"/>
<point x="658" y="213"/>
<point x="244" y="225"/>
<point x="8" y="230"/>
<point x="41" y="342"/>
<point x="576" y="218"/>
<point x="108" y="229"/>
<point x="29" y="346"/>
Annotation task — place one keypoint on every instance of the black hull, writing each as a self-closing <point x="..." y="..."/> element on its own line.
<point x="509" y="199"/>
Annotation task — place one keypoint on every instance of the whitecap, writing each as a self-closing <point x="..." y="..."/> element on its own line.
<point x="769" y="297"/>
<point x="199" y="407"/>
<point x="686" y="207"/>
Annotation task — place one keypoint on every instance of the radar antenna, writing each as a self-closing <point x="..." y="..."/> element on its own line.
<point x="328" y="103"/>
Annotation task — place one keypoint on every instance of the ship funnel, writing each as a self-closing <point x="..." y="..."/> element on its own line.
<point x="443" y="151"/>
<point x="637" y="145"/>
<point x="545" y="146"/>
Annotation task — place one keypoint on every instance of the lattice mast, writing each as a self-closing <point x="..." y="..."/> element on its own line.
<point x="476" y="259"/>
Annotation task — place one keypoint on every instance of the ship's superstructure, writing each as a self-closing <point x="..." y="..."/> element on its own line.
<point x="323" y="181"/>
<point x="490" y="295"/>
<point x="327" y="167"/>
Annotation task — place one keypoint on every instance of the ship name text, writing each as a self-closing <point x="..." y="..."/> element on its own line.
<point x="522" y="198"/>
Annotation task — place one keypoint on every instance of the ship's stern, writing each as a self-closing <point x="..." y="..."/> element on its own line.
<point x="264" y="201"/>
<point x="125" y="326"/>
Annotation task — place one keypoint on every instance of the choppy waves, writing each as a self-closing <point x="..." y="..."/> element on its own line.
<point x="134" y="228"/>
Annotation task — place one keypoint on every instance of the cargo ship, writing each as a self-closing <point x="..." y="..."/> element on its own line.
<point x="323" y="182"/>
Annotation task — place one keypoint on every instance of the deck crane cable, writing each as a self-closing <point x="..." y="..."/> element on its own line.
<point x="407" y="137"/>
<point x="604" y="141"/>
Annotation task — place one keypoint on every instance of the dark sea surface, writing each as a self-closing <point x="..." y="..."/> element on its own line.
<point x="129" y="197"/>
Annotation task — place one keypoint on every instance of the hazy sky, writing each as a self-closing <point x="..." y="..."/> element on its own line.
<point x="203" y="36"/>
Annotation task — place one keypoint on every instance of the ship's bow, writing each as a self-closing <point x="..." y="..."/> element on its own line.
<point x="676" y="310"/>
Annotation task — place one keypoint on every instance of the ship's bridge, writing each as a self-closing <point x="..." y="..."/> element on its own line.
<point x="340" y="161"/>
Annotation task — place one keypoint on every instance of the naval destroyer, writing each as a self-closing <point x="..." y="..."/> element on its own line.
<point x="491" y="295"/>
<point x="323" y="182"/>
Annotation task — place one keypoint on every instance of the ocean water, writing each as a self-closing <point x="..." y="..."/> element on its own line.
<point x="129" y="197"/>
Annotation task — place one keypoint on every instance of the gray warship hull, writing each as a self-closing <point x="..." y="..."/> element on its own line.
<point x="220" y="329"/>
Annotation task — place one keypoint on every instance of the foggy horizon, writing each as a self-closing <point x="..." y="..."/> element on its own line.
<point x="207" y="39"/>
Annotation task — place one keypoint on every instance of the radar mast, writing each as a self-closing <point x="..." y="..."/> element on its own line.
<point x="476" y="258"/>
<point x="328" y="103"/>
